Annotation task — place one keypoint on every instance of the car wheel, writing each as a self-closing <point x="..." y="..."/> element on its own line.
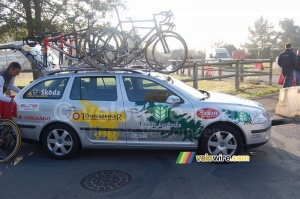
<point x="60" y="141"/>
<point x="221" y="139"/>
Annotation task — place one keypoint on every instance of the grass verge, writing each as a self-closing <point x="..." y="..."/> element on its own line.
<point x="247" y="89"/>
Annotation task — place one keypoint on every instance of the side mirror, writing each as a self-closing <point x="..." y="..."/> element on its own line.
<point x="172" y="99"/>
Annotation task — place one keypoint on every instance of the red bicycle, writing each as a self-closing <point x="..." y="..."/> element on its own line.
<point x="68" y="45"/>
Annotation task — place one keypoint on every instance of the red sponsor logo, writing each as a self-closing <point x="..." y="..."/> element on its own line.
<point x="28" y="105"/>
<point x="36" y="118"/>
<point x="208" y="113"/>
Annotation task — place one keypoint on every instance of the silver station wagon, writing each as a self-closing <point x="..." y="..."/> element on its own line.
<point x="77" y="109"/>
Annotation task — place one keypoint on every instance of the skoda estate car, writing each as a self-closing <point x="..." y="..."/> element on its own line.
<point x="75" y="110"/>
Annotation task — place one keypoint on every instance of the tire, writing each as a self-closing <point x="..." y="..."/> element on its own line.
<point x="101" y="47"/>
<point x="166" y="61"/>
<point x="10" y="140"/>
<point x="220" y="139"/>
<point x="60" y="141"/>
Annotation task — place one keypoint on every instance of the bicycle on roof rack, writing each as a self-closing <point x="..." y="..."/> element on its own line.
<point x="10" y="137"/>
<point x="161" y="48"/>
<point x="69" y="45"/>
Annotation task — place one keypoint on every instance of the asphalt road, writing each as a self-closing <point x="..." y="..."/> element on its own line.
<point x="273" y="172"/>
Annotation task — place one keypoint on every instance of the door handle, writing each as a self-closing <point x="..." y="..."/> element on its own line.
<point x="133" y="110"/>
<point x="71" y="108"/>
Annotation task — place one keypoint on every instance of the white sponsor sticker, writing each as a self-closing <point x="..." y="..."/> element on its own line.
<point x="29" y="107"/>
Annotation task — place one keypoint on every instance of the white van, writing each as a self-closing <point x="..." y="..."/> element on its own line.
<point x="217" y="54"/>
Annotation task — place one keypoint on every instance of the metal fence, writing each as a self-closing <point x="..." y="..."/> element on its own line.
<point x="237" y="69"/>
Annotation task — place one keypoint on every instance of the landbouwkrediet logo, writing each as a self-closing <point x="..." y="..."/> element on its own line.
<point x="160" y="112"/>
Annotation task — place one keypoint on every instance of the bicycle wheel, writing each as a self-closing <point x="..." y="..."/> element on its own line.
<point x="101" y="47"/>
<point x="166" y="52"/>
<point x="10" y="140"/>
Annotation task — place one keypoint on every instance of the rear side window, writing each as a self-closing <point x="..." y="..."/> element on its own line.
<point x="48" y="89"/>
<point x="94" y="88"/>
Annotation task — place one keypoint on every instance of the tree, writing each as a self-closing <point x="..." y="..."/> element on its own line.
<point x="261" y="35"/>
<point x="36" y="16"/>
<point x="290" y="33"/>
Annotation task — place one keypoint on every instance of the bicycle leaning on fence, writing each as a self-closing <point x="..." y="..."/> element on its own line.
<point x="10" y="138"/>
<point x="161" y="48"/>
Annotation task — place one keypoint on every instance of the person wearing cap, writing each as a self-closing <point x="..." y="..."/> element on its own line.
<point x="287" y="60"/>
<point x="7" y="79"/>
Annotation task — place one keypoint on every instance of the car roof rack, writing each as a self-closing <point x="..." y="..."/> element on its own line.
<point x="138" y="70"/>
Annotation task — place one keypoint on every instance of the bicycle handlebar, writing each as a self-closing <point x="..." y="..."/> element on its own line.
<point x="165" y="13"/>
<point x="33" y="41"/>
<point x="168" y="15"/>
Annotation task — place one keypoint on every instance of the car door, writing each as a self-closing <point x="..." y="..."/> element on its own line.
<point x="36" y="105"/>
<point x="95" y="107"/>
<point x="149" y="119"/>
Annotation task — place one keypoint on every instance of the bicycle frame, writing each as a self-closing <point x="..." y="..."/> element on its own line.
<point x="156" y="28"/>
<point x="48" y="42"/>
<point x="65" y="42"/>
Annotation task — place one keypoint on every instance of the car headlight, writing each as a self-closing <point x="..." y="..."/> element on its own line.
<point x="261" y="118"/>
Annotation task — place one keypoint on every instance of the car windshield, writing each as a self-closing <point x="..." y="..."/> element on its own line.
<point x="183" y="87"/>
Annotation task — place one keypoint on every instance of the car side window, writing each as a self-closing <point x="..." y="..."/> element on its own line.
<point x="94" y="88"/>
<point x="145" y="90"/>
<point x="47" y="89"/>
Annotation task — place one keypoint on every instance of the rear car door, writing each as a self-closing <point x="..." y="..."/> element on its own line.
<point x="95" y="107"/>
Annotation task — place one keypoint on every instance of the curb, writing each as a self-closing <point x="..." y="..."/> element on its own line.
<point x="278" y="120"/>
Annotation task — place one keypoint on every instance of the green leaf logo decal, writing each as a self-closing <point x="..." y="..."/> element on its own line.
<point x="243" y="116"/>
<point x="160" y="112"/>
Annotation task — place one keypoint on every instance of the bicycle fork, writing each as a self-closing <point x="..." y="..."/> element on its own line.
<point x="164" y="43"/>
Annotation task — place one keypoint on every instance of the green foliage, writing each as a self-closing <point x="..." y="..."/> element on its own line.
<point x="38" y="16"/>
<point x="290" y="33"/>
<point x="261" y="35"/>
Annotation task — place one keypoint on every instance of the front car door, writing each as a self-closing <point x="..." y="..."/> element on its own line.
<point x="152" y="121"/>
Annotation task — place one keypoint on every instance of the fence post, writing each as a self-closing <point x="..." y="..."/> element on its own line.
<point x="271" y="71"/>
<point x="237" y="75"/>
<point x="195" y="72"/>
<point x="241" y="72"/>
<point x="220" y="72"/>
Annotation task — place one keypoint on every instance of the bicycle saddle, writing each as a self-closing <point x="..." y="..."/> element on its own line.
<point x="72" y="19"/>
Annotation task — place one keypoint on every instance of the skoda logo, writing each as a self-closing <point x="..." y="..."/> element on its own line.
<point x="34" y="92"/>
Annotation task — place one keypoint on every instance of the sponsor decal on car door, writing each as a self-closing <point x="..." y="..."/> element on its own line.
<point x="150" y="120"/>
<point x="96" y="109"/>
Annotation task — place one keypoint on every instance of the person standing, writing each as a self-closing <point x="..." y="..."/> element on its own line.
<point x="297" y="68"/>
<point x="7" y="78"/>
<point x="287" y="60"/>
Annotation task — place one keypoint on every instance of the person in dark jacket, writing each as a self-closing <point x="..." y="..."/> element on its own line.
<point x="297" y="68"/>
<point x="287" y="60"/>
<point x="7" y="78"/>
